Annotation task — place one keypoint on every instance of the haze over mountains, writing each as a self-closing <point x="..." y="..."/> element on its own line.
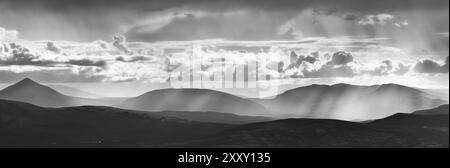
<point x="197" y="100"/>
<point x="341" y="101"/>
<point x="30" y="91"/>
<point x="74" y="92"/>
<point x="349" y="102"/>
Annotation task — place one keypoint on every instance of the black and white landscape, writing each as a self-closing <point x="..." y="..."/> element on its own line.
<point x="87" y="124"/>
<point x="224" y="74"/>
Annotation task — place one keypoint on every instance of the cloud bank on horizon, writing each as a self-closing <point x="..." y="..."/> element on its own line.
<point x="325" y="41"/>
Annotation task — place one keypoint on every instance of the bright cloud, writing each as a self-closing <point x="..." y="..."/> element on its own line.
<point x="123" y="61"/>
<point x="378" y="19"/>
<point x="8" y="34"/>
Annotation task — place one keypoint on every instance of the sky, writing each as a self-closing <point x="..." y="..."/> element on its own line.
<point x="298" y="42"/>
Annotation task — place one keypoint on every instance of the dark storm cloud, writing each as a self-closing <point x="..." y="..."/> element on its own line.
<point x="87" y="62"/>
<point x="52" y="47"/>
<point x="341" y="58"/>
<point x="132" y="59"/>
<point x="336" y="67"/>
<point x="430" y="67"/>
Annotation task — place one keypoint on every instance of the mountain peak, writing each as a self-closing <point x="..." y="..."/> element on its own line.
<point x="27" y="80"/>
<point x="28" y="87"/>
<point x="32" y="92"/>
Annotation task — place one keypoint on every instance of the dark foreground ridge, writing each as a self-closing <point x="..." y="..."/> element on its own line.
<point x="399" y="130"/>
<point x="26" y="125"/>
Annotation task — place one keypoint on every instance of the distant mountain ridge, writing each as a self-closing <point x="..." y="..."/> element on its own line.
<point x="70" y="91"/>
<point x="349" y="102"/>
<point x="195" y="100"/>
<point x="340" y="101"/>
<point x="32" y="92"/>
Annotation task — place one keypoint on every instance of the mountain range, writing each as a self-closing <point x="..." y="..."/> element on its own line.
<point x="340" y="101"/>
<point x="35" y="115"/>
<point x="349" y="102"/>
<point x="26" y="125"/>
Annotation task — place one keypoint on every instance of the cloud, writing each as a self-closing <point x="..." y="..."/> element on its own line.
<point x="337" y="66"/>
<point x="443" y="34"/>
<point x="109" y="62"/>
<point x="402" y="69"/>
<point x="50" y="75"/>
<point x="384" y="69"/>
<point x="327" y="71"/>
<point x="377" y="19"/>
<point x="296" y="61"/>
<point x="341" y="58"/>
<point x="102" y="44"/>
<point x="3" y="49"/>
<point x="133" y="58"/>
<point x="344" y="64"/>
<point x="289" y="28"/>
<point x="51" y="47"/>
<point x="350" y="17"/>
<point x="19" y="55"/>
<point x="335" y="12"/>
<point x="314" y="21"/>
<point x="428" y="66"/>
<point x="16" y="54"/>
<point x="387" y="67"/>
<point x="156" y="20"/>
<point x="401" y="24"/>
<point x="87" y="62"/>
<point x="8" y="34"/>
<point x="119" y="41"/>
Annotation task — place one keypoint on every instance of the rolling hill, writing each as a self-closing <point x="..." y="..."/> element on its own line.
<point x="194" y="100"/>
<point x="214" y="117"/>
<point x="439" y="110"/>
<point x="349" y="102"/>
<point x="399" y="130"/>
<point x="26" y="125"/>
